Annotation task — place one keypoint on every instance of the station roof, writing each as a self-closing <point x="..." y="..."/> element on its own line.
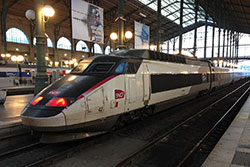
<point x="233" y="14"/>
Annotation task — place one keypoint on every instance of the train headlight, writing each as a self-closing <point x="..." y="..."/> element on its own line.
<point x="57" y="102"/>
<point x="37" y="100"/>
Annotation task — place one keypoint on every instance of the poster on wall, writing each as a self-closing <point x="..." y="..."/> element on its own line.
<point x="87" y="21"/>
<point x="141" y="36"/>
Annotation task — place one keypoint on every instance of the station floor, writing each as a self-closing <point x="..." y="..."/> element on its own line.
<point x="233" y="149"/>
<point x="12" y="108"/>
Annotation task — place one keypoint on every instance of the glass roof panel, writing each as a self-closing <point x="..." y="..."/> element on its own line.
<point x="171" y="10"/>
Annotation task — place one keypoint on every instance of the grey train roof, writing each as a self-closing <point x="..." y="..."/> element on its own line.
<point x="159" y="56"/>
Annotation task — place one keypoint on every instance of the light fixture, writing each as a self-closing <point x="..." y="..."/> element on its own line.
<point x="142" y="14"/>
<point x="8" y="55"/>
<point x="17" y="49"/>
<point x="113" y="36"/>
<point x="13" y="58"/>
<point x="48" y="11"/>
<point x="65" y="54"/>
<point x="20" y="58"/>
<point x="30" y="14"/>
<point x="56" y="64"/>
<point x="83" y="56"/>
<point x="75" y="64"/>
<point x="47" y="58"/>
<point x="128" y="35"/>
<point x="2" y="55"/>
<point x="152" y="47"/>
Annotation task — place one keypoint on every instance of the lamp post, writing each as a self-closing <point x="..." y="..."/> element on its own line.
<point x="41" y="12"/>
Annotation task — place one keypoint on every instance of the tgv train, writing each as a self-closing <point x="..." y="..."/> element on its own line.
<point x="103" y="91"/>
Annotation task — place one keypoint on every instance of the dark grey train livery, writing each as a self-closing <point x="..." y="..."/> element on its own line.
<point x="103" y="90"/>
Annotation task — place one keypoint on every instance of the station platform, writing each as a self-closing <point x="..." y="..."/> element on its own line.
<point x="18" y="90"/>
<point x="233" y="149"/>
<point x="10" y="111"/>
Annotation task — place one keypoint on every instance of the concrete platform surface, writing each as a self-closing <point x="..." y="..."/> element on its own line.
<point x="233" y="149"/>
<point x="19" y="90"/>
<point x="10" y="111"/>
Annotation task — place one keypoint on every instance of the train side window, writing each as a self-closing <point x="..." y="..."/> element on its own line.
<point x="121" y="67"/>
<point x="130" y="68"/>
<point x="133" y="67"/>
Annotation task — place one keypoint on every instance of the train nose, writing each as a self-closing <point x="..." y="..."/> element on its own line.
<point x="44" y="123"/>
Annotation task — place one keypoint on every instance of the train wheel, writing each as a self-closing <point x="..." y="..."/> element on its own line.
<point x="122" y="121"/>
<point x="150" y="110"/>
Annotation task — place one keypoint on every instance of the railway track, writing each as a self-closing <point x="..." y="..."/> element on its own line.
<point x="163" y="132"/>
<point x="198" y="154"/>
<point x="38" y="154"/>
<point x="15" y="137"/>
<point x="186" y="156"/>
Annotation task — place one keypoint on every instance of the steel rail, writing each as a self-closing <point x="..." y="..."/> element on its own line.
<point x="151" y="144"/>
<point x="7" y="137"/>
<point x="208" y="134"/>
<point x="18" y="150"/>
<point x="68" y="152"/>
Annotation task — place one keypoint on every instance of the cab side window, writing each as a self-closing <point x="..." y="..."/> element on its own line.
<point x="133" y="67"/>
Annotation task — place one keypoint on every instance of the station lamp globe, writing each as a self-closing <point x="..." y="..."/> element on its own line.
<point x="14" y="58"/>
<point x="30" y="14"/>
<point x="113" y="36"/>
<point x="20" y="58"/>
<point x="48" y="11"/>
<point x="128" y="35"/>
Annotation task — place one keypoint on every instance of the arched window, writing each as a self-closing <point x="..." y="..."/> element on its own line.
<point x="82" y="46"/>
<point x="98" y="49"/>
<point x="49" y="42"/>
<point x="63" y="43"/>
<point x="107" y="50"/>
<point x="16" y="35"/>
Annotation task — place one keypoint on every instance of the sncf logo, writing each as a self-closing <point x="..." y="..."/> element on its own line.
<point x="119" y="94"/>
<point x="54" y="92"/>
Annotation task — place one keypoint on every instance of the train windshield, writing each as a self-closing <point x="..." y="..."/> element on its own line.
<point x="101" y="67"/>
<point x="81" y="67"/>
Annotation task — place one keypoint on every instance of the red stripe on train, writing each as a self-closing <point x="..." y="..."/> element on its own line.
<point x="96" y="86"/>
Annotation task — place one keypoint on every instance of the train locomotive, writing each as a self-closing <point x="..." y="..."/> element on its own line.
<point x="103" y="91"/>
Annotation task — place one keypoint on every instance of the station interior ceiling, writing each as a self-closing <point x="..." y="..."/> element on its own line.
<point x="229" y="14"/>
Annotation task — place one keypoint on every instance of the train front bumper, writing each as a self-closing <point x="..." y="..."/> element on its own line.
<point x="44" y="123"/>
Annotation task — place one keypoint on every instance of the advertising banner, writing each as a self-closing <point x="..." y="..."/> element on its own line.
<point x="141" y="36"/>
<point x="87" y="21"/>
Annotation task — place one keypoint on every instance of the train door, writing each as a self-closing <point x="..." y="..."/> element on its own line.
<point x="130" y="83"/>
<point x="133" y="85"/>
<point x="95" y="103"/>
<point x="130" y="86"/>
<point x="146" y="84"/>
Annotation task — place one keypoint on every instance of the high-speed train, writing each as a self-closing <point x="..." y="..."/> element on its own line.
<point x="103" y="91"/>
